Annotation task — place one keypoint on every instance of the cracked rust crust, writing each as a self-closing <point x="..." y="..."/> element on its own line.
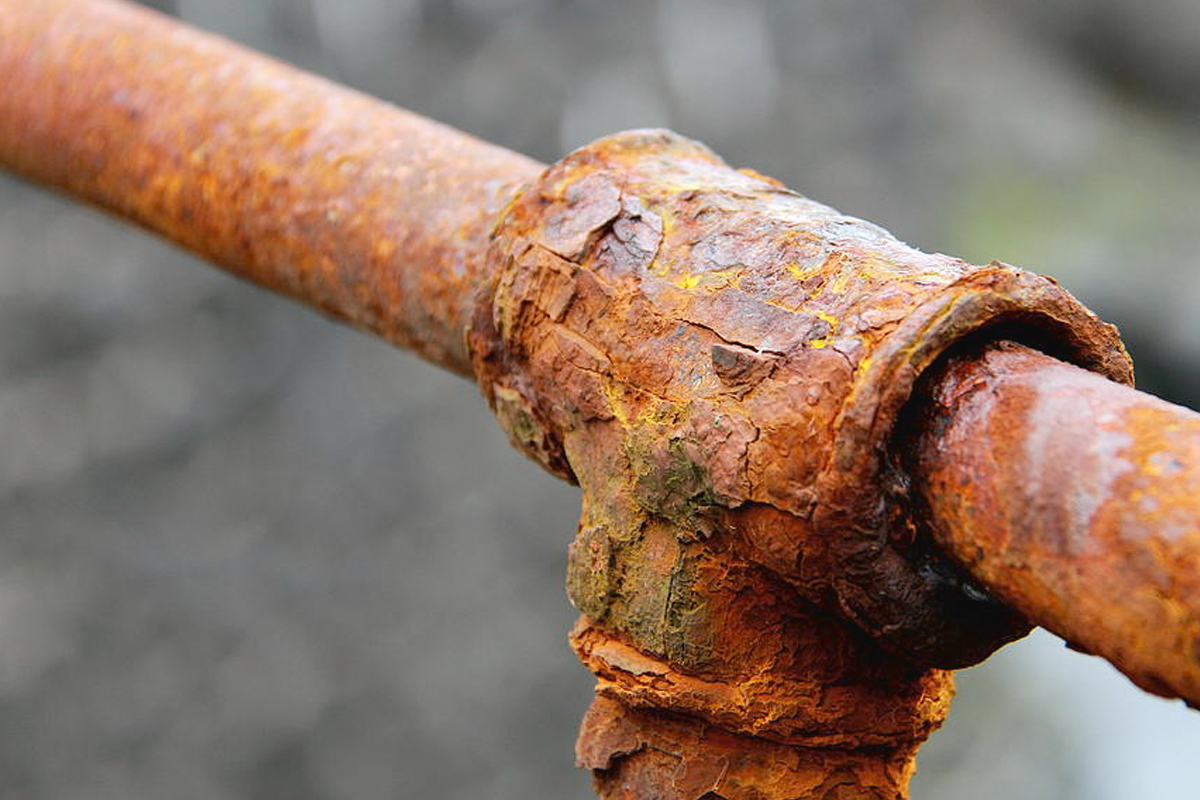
<point x="376" y="216"/>
<point x="1075" y="501"/>
<point x="638" y="754"/>
<point x="707" y="352"/>
<point x="811" y="684"/>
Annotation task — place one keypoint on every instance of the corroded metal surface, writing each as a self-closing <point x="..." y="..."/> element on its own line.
<point x="719" y="363"/>
<point x="706" y="351"/>
<point x="1074" y="500"/>
<point x="374" y="215"/>
<point x="638" y="754"/>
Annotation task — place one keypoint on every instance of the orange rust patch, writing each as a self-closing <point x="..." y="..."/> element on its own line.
<point x="637" y="754"/>
<point x="1074" y="500"/>
<point x="376" y="216"/>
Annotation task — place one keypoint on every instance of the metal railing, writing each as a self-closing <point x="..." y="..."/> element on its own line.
<point x="819" y="468"/>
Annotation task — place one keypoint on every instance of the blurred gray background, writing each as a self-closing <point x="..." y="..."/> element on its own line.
<point x="248" y="553"/>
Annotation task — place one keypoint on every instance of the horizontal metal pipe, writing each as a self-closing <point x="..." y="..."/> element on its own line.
<point x="1073" y="499"/>
<point x="373" y="214"/>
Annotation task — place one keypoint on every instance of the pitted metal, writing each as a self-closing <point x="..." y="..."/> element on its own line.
<point x="700" y="347"/>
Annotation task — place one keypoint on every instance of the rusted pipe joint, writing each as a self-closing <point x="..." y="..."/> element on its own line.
<point x="748" y="350"/>
<point x="719" y="363"/>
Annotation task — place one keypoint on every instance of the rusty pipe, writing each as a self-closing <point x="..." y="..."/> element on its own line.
<point x="382" y="218"/>
<point x="375" y="215"/>
<point x="716" y="360"/>
<point x="1073" y="499"/>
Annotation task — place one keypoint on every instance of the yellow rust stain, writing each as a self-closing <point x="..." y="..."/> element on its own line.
<point x="616" y="402"/>
<point x="800" y="273"/>
<point x="717" y="279"/>
<point x="833" y="321"/>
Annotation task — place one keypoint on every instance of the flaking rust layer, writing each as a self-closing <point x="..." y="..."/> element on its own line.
<point x="719" y="363"/>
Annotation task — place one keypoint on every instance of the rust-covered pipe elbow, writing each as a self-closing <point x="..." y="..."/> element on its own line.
<point x="720" y="363"/>
<point x="702" y="348"/>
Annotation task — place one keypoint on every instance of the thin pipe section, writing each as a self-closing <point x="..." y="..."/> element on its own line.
<point x="1073" y="499"/>
<point x="375" y="215"/>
